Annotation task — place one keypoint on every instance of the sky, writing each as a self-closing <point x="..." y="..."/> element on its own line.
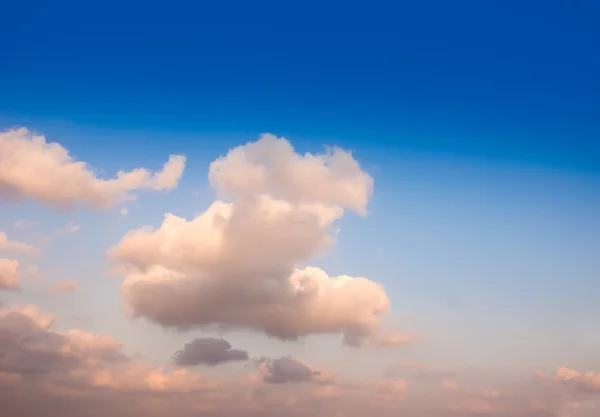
<point x="303" y="209"/>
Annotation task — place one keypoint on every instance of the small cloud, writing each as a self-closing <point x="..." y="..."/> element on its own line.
<point x="67" y="229"/>
<point x="64" y="286"/>
<point x="17" y="247"/>
<point x="10" y="275"/>
<point x="586" y="381"/>
<point x="289" y="370"/>
<point x="24" y="224"/>
<point x="61" y="181"/>
<point x="124" y="211"/>
<point x="208" y="351"/>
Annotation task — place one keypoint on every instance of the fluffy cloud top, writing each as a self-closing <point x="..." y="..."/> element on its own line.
<point x="208" y="351"/>
<point x="236" y="265"/>
<point x="31" y="167"/>
<point x="10" y="275"/>
<point x="16" y="246"/>
<point x="271" y="166"/>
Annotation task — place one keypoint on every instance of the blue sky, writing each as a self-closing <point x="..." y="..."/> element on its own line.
<point x="479" y="122"/>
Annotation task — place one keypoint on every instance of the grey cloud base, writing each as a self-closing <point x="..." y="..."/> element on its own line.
<point x="208" y="351"/>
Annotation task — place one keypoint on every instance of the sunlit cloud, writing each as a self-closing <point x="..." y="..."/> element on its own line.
<point x="14" y="246"/>
<point x="33" y="168"/>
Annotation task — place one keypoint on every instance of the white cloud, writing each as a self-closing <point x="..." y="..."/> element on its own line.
<point x="31" y="167"/>
<point x="271" y="166"/>
<point x="236" y="265"/>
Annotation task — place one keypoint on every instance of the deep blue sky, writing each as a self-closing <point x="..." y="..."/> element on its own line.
<point x="517" y="80"/>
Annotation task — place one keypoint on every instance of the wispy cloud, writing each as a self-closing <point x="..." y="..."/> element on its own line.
<point x="15" y="246"/>
<point x="69" y="229"/>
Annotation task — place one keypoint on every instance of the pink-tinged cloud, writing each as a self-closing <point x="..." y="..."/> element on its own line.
<point x="7" y="245"/>
<point x="32" y="168"/>
<point x="75" y="372"/>
<point x="28" y="314"/>
<point x="271" y="166"/>
<point x="138" y="377"/>
<point x="10" y="275"/>
<point x="236" y="265"/>
<point x="582" y="380"/>
<point x="450" y="385"/>
<point x="30" y="347"/>
<point x="80" y="374"/>
<point x="64" y="286"/>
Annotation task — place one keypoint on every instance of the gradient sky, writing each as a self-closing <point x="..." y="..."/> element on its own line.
<point x="478" y="122"/>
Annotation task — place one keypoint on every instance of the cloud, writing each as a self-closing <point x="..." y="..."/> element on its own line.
<point x="208" y="351"/>
<point x="582" y="380"/>
<point x="29" y="315"/>
<point x="77" y="373"/>
<point x="68" y="229"/>
<point x="16" y="246"/>
<point x="142" y="377"/>
<point x="64" y="286"/>
<point x="271" y="166"/>
<point x="29" y="347"/>
<point x="289" y="370"/>
<point x="31" y="167"/>
<point x="10" y="275"/>
<point x="237" y="264"/>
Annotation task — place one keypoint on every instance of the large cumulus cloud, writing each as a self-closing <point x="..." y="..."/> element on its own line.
<point x="31" y="167"/>
<point x="237" y="264"/>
